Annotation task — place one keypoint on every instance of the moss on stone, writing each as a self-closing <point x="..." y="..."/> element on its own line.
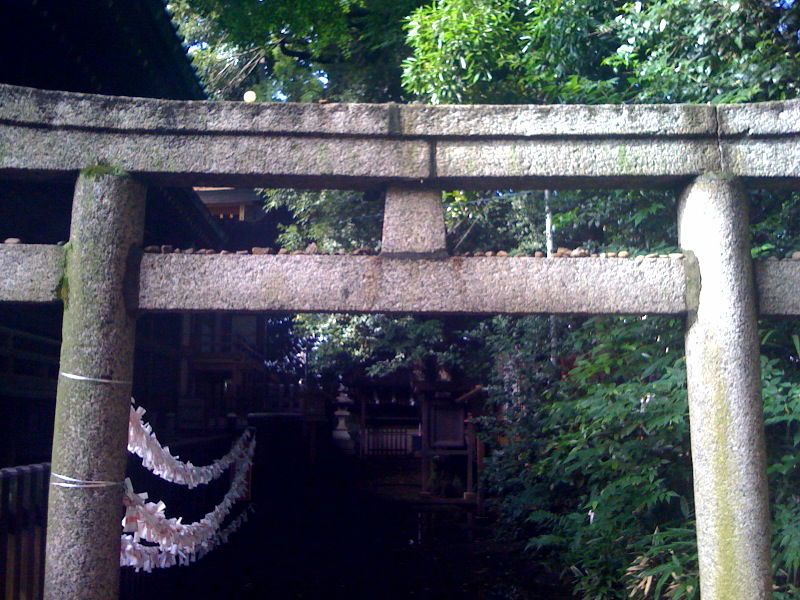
<point x="622" y="157"/>
<point x="693" y="284"/>
<point x="725" y="542"/>
<point x="100" y="170"/>
<point x="62" y="289"/>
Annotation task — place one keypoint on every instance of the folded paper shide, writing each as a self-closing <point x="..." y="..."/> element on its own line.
<point x="156" y="458"/>
<point x="171" y="542"/>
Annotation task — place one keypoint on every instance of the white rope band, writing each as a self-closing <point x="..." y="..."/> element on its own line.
<point x="71" y="482"/>
<point x="94" y="379"/>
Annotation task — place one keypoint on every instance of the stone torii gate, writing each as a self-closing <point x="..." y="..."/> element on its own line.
<point x="120" y="145"/>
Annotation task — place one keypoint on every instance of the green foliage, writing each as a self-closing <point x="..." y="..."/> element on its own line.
<point x="598" y="220"/>
<point x="378" y="345"/>
<point x="667" y="567"/>
<point x="608" y="461"/>
<point x="494" y="220"/>
<point x="775" y="222"/>
<point x="595" y="469"/>
<point x="504" y="51"/>
<point x="697" y="50"/>
<point x="333" y="219"/>
<point x="345" y="50"/>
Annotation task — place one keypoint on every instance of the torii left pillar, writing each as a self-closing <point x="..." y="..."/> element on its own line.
<point x="100" y="292"/>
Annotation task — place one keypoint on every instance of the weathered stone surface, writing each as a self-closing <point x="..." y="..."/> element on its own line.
<point x="560" y="119"/>
<point x="724" y="385"/>
<point x="777" y="158"/>
<point x="413" y="222"/>
<point x="778" y="284"/>
<point x="368" y="146"/>
<point x="30" y="272"/>
<point x="367" y="284"/>
<point x="91" y="421"/>
<point x="574" y="159"/>
<point x="194" y="158"/>
<point x="759" y="119"/>
<point x="71" y="110"/>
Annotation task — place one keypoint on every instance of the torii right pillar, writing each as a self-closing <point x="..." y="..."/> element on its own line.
<point x="724" y="384"/>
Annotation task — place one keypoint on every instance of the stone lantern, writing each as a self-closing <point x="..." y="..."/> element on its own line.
<point x="341" y="436"/>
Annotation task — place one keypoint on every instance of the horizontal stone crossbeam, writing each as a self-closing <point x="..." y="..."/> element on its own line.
<point x="31" y="273"/>
<point x="778" y="287"/>
<point x="363" y="145"/>
<point x="369" y="284"/>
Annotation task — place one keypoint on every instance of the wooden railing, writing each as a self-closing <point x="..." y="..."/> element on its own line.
<point x="28" y="364"/>
<point x="23" y="518"/>
<point x="385" y="441"/>
<point x="23" y="521"/>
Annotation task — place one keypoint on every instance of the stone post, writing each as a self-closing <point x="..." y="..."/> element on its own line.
<point x="413" y="223"/>
<point x="725" y="407"/>
<point x="99" y="290"/>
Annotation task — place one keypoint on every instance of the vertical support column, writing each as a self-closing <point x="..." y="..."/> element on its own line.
<point x="413" y="223"/>
<point x="725" y="407"/>
<point x="100" y="290"/>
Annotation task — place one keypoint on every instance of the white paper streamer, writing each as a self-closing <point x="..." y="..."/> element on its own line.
<point x="147" y="521"/>
<point x="143" y="442"/>
<point x="146" y="558"/>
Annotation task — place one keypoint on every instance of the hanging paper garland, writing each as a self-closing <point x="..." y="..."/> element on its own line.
<point x="176" y="543"/>
<point x="146" y="520"/>
<point x="146" y="558"/>
<point x="157" y="458"/>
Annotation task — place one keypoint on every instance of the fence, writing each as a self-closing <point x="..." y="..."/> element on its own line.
<point x="386" y="441"/>
<point x="23" y="517"/>
<point x="28" y="364"/>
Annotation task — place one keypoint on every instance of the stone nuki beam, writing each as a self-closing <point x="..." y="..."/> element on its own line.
<point x="32" y="273"/>
<point x="368" y="146"/>
<point x="778" y="285"/>
<point x="369" y="284"/>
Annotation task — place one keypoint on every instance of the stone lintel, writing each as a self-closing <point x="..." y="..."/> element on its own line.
<point x="87" y="111"/>
<point x="759" y="119"/>
<point x="663" y="120"/>
<point x="371" y="146"/>
<point x="370" y="284"/>
<point x="125" y="115"/>
<point x="775" y="158"/>
<point x="623" y="159"/>
<point x="192" y="158"/>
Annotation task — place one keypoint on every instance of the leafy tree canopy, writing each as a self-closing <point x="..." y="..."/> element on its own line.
<point x="591" y="461"/>
<point x="344" y="50"/>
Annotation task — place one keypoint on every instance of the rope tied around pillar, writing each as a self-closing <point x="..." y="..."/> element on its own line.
<point x="95" y="379"/>
<point x="72" y="482"/>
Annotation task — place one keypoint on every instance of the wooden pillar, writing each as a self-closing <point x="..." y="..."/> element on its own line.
<point x="100" y="290"/>
<point x="724" y="385"/>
